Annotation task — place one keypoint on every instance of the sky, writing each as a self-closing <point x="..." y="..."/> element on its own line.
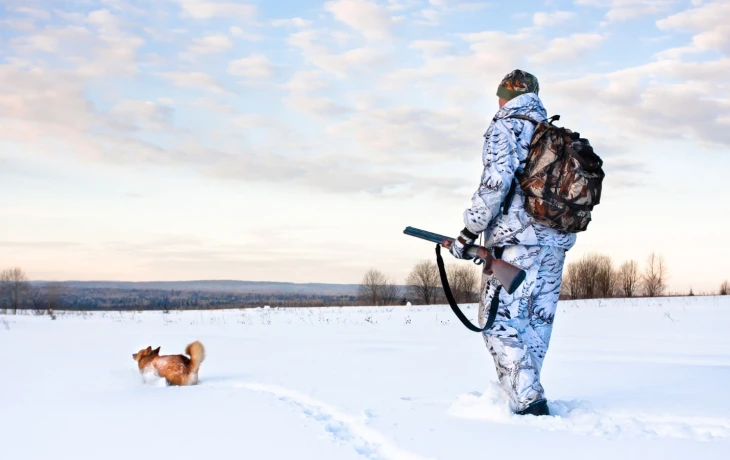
<point x="294" y="141"/>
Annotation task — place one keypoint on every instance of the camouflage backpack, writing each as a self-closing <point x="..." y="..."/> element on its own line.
<point x="562" y="177"/>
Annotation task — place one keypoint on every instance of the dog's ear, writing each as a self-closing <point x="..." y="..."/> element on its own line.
<point x="156" y="351"/>
<point x="148" y="350"/>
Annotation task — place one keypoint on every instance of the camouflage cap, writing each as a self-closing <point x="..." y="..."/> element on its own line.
<point x="517" y="83"/>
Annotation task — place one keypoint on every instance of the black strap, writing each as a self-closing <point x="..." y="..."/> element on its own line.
<point x="452" y="302"/>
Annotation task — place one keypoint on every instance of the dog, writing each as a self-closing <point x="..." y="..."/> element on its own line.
<point x="177" y="370"/>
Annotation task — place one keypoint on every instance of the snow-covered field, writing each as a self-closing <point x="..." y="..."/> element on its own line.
<point x="630" y="379"/>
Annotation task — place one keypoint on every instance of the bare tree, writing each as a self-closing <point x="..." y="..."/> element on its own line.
<point x="725" y="288"/>
<point x="590" y="277"/>
<point x="569" y="284"/>
<point x="585" y="278"/>
<point x="424" y="281"/>
<point x="392" y="294"/>
<point x="655" y="276"/>
<point x="13" y="286"/>
<point x="605" y="275"/>
<point x="376" y="289"/>
<point x="629" y="279"/>
<point x="464" y="282"/>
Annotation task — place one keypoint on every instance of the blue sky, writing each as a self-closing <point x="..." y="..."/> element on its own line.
<point x="294" y="141"/>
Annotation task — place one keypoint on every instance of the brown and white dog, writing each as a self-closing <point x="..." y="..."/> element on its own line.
<point x="175" y="369"/>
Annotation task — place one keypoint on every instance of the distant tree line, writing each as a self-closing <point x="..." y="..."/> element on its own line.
<point x="596" y="276"/>
<point x="593" y="276"/>
<point x="17" y="293"/>
<point x="422" y="285"/>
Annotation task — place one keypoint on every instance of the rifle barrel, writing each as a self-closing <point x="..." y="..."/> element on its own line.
<point x="425" y="235"/>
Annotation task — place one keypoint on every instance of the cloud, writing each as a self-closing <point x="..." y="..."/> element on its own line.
<point x="195" y="80"/>
<point x="366" y="59"/>
<point x="432" y="47"/>
<point x="368" y="18"/>
<point x="141" y="115"/>
<point x="38" y="244"/>
<point x="240" y="33"/>
<point x="305" y="81"/>
<point x="34" y="13"/>
<point x="438" y="8"/>
<point x="213" y="105"/>
<point x="291" y="22"/>
<point x="401" y="5"/>
<point x="710" y="22"/>
<point x="568" y="48"/>
<point x="96" y="46"/>
<point x="207" y="9"/>
<point x="319" y="106"/>
<point x="666" y="99"/>
<point x="552" y="19"/>
<point x="124" y="6"/>
<point x="254" y="66"/>
<point x="53" y="38"/>
<point x="621" y="10"/>
<point x="211" y="44"/>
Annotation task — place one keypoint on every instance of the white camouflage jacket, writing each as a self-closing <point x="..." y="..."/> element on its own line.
<point x="506" y="144"/>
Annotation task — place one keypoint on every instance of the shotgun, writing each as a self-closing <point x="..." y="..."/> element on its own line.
<point x="508" y="275"/>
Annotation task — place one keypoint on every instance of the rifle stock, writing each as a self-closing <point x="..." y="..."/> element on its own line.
<point x="508" y="275"/>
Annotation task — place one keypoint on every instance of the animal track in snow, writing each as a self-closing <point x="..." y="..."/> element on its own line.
<point x="345" y="427"/>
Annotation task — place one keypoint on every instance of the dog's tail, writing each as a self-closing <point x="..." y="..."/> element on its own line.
<point x="196" y="351"/>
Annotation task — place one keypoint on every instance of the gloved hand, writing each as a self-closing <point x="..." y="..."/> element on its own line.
<point x="465" y="238"/>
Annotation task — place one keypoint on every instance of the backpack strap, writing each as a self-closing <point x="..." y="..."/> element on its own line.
<point x="525" y="117"/>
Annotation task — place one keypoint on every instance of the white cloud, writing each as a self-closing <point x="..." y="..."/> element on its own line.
<point x="97" y="46"/>
<point x="206" y="9"/>
<point x="363" y="59"/>
<point x="400" y="5"/>
<point x="31" y="12"/>
<point x="319" y="106"/>
<point x="620" y="10"/>
<point x="254" y="66"/>
<point x="18" y="24"/>
<point x="211" y="44"/>
<point x="141" y="115"/>
<point x="552" y="19"/>
<point x="710" y="22"/>
<point x="432" y="47"/>
<point x="124" y="6"/>
<point x="432" y="14"/>
<point x="665" y="99"/>
<point x="292" y="22"/>
<point x="368" y="18"/>
<point x="240" y="33"/>
<point x="194" y="80"/>
<point x="213" y="106"/>
<point x="52" y="39"/>
<point x="306" y="81"/>
<point x="568" y="48"/>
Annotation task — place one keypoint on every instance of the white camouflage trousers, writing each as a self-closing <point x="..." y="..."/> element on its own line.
<point x="519" y="338"/>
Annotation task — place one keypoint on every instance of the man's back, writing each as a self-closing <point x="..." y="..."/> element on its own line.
<point x="506" y="144"/>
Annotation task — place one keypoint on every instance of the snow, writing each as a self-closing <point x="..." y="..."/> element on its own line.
<point x="628" y="379"/>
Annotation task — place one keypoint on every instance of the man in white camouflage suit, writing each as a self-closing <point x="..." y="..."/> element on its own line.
<point x="519" y="337"/>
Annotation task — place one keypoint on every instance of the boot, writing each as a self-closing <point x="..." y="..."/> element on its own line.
<point x="537" y="408"/>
